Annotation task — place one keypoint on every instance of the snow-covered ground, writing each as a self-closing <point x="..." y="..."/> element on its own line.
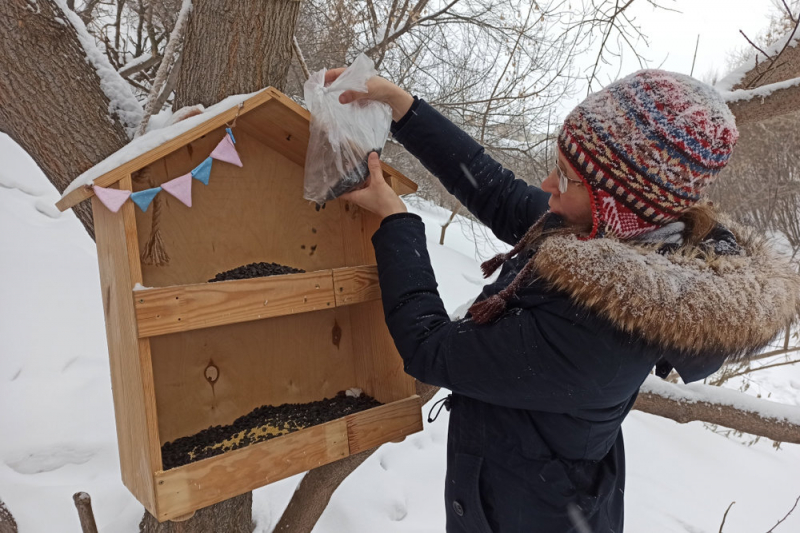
<point x="57" y="426"/>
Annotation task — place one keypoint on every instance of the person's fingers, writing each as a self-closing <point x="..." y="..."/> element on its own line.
<point x="375" y="172"/>
<point x="351" y="96"/>
<point x="332" y="74"/>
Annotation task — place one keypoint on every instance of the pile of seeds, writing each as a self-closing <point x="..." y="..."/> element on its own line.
<point x="256" y="270"/>
<point x="261" y="424"/>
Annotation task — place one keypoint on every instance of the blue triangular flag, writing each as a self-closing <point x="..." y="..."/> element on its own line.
<point x="143" y="198"/>
<point x="231" y="134"/>
<point x="203" y="171"/>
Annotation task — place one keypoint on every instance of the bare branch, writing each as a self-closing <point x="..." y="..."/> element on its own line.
<point x="785" y="517"/>
<point x="300" y="58"/>
<point x="175" y="40"/>
<point x="725" y="516"/>
<point x="694" y="59"/>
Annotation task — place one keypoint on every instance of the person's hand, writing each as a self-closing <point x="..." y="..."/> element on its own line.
<point x="379" y="89"/>
<point x="378" y="196"/>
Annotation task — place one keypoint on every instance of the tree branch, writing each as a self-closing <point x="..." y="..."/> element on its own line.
<point x="724" y="407"/>
<point x="785" y="517"/>
<point x="175" y="39"/>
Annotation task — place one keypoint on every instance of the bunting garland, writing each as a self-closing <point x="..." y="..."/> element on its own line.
<point x="180" y="187"/>
<point x="112" y="198"/>
<point x="143" y="198"/>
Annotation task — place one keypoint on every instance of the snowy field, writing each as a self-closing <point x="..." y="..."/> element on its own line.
<point x="57" y="425"/>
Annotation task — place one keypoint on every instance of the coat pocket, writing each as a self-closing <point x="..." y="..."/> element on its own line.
<point x="464" y="510"/>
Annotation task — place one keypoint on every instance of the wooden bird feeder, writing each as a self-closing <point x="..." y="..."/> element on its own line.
<point x="187" y="355"/>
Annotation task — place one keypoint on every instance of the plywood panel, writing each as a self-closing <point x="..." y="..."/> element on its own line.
<point x="188" y="307"/>
<point x="378" y="425"/>
<point x="281" y="129"/>
<point x="379" y="367"/>
<point x="131" y="373"/>
<point x="182" y="490"/>
<point x="289" y="359"/>
<point x="250" y="214"/>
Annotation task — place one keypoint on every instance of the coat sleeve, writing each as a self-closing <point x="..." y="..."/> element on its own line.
<point x="507" y="205"/>
<point x="522" y="360"/>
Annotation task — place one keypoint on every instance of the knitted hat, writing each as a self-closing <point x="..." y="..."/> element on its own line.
<point x="647" y="146"/>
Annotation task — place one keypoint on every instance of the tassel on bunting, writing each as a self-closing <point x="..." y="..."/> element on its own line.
<point x="154" y="252"/>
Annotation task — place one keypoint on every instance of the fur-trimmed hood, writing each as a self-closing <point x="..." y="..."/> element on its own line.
<point x="692" y="300"/>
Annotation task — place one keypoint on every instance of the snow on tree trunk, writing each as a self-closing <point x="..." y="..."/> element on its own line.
<point x="51" y="100"/>
<point x="235" y="47"/>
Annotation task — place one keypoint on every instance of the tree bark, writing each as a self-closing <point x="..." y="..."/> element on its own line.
<point x="7" y="522"/>
<point x="231" y="516"/>
<point x="51" y="102"/>
<point x="235" y="47"/>
<point x="83" y="503"/>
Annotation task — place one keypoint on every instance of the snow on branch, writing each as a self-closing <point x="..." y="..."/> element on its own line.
<point x="765" y="102"/>
<point x="735" y="77"/>
<point x="717" y="405"/>
<point x="122" y="102"/>
<point x="763" y="91"/>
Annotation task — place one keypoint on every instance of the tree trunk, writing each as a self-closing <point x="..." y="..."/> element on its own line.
<point x="235" y="47"/>
<point x="231" y="516"/>
<point x="51" y="101"/>
<point x="7" y="522"/>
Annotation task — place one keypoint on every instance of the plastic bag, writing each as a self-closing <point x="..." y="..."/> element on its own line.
<point x="342" y="135"/>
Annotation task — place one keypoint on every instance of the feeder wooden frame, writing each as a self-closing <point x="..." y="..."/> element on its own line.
<point x="158" y="337"/>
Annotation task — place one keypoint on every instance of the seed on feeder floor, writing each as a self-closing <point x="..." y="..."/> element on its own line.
<point x="256" y="270"/>
<point x="261" y="424"/>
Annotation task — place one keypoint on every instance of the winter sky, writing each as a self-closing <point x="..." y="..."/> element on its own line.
<point x="673" y="35"/>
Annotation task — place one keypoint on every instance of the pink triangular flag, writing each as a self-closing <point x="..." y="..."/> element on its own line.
<point x="111" y="198"/>
<point x="225" y="151"/>
<point x="180" y="188"/>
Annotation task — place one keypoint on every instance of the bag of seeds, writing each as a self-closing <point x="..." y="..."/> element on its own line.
<point x="342" y="135"/>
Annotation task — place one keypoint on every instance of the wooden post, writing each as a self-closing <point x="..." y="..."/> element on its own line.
<point x="83" y="502"/>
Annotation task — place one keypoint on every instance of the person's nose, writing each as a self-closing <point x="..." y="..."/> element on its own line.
<point x="550" y="184"/>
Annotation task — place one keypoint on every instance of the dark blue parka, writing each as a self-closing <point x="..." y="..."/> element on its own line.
<point x="539" y="395"/>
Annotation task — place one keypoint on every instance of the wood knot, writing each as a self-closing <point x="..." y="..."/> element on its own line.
<point x="211" y="373"/>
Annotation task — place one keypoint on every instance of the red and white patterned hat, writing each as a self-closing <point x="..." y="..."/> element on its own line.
<point x="647" y="146"/>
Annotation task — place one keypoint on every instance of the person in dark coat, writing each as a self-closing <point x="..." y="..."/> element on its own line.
<point x="616" y="267"/>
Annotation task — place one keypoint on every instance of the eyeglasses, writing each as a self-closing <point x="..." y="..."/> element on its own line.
<point x="563" y="180"/>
